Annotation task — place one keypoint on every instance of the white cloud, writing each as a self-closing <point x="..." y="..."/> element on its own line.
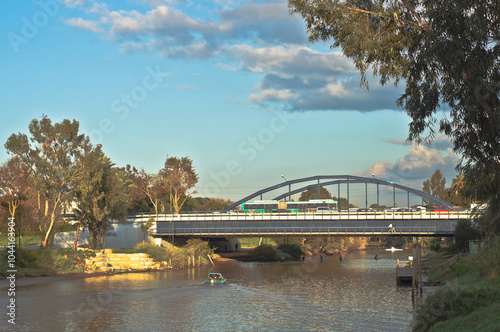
<point x="417" y="165"/>
<point x="84" y="24"/>
<point x="336" y="89"/>
<point x="271" y="94"/>
<point x="74" y="3"/>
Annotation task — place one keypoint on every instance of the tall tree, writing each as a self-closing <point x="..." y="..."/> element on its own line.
<point x="15" y="184"/>
<point x="155" y="187"/>
<point x="52" y="153"/>
<point x="436" y="185"/>
<point x="100" y="194"/>
<point x="138" y="200"/>
<point x="446" y="52"/>
<point x="181" y="178"/>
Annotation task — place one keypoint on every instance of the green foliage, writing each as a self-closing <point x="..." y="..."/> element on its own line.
<point x="450" y="302"/>
<point x="435" y="246"/>
<point x="265" y="252"/>
<point x="205" y="204"/>
<point x="464" y="232"/>
<point x="46" y="262"/>
<point x="293" y="250"/>
<point x="198" y="247"/>
<point x="178" y="257"/>
<point x="181" y="177"/>
<point x="101" y="193"/>
<point x="158" y="253"/>
<point x="313" y="194"/>
<point x="435" y="186"/>
<point x="484" y="319"/>
<point x="52" y="154"/>
<point x="470" y="298"/>
<point x="488" y="260"/>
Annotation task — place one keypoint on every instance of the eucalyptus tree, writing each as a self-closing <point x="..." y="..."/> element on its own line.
<point x="101" y="194"/>
<point x="447" y="54"/>
<point x="181" y="178"/>
<point x="436" y="185"/>
<point x="52" y="153"/>
<point x="15" y="184"/>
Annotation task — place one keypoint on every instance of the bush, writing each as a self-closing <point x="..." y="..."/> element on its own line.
<point x="159" y="254"/>
<point x="488" y="260"/>
<point x="293" y="250"/>
<point x="265" y="252"/>
<point x="435" y="246"/>
<point x="450" y="302"/>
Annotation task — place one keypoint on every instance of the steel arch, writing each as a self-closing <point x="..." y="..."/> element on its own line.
<point x="338" y="179"/>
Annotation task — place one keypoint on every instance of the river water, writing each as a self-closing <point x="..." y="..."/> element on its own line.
<point x="358" y="293"/>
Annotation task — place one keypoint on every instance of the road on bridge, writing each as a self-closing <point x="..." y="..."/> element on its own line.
<point x="329" y="223"/>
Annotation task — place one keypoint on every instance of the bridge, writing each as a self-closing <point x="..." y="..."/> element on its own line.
<point x="233" y="223"/>
<point x="294" y="224"/>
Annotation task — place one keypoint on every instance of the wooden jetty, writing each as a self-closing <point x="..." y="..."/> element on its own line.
<point x="404" y="271"/>
<point x="411" y="270"/>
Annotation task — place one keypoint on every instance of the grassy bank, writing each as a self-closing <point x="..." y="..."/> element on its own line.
<point x="469" y="299"/>
<point x="49" y="262"/>
<point x="34" y="263"/>
<point x="25" y="240"/>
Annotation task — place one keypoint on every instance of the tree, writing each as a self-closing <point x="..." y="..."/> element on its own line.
<point x="435" y="186"/>
<point x="447" y="53"/>
<point x="313" y="194"/>
<point x="206" y="204"/>
<point x="100" y="194"/>
<point x="51" y="153"/>
<point x="155" y="187"/>
<point x="181" y="178"/>
<point x="137" y="200"/>
<point x="15" y="184"/>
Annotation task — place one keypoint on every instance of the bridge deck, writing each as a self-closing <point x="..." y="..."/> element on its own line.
<point x="240" y="216"/>
<point x="290" y="224"/>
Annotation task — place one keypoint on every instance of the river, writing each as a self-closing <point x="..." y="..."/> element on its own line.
<point x="358" y="293"/>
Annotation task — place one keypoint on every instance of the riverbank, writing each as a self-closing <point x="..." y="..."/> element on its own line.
<point x="469" y="295"/>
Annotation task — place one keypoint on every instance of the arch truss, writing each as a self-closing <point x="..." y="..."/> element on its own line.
<point x="329" y="180"/>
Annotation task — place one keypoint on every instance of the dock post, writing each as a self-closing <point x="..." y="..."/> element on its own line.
<point x="420" y="268"/>
<point x="397" y="271"/>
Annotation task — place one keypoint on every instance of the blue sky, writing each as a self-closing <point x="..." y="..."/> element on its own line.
<point x="235" y="85"/>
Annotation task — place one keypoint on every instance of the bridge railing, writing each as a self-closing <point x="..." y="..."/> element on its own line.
<point x="251" y="216"/>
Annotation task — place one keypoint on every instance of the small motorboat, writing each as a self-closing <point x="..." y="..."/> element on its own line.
<point x="394" y="249"/>
<point x="215" y="279"/>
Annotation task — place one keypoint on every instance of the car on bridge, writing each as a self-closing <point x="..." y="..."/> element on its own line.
<point x="405" y="210"/>
<point x="442" y="210"/>
<point x="365" y="210"/>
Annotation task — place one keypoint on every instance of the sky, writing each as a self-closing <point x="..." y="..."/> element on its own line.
<point x="234" y="85"/>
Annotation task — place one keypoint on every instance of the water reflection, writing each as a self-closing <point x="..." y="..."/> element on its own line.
<point x="358" y="293"/>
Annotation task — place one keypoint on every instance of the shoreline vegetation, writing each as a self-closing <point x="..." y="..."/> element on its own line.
<point x="469" y="295"/>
